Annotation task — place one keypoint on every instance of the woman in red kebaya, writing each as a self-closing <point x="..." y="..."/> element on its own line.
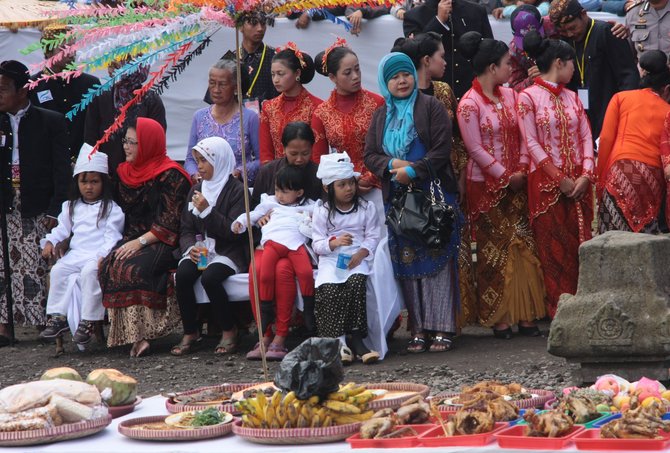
<point x="342" y="121"/>
<point x="291" y="70"/>
<point x="558" y="136"/>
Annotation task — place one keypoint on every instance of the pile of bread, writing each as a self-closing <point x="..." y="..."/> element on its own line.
<point x="48" y="403"/>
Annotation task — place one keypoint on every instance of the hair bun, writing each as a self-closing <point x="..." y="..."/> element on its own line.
<point x="533" y="44"/>
<point x="469" y="44"/>
<point x="654" y="62"/>
<point x="318" y="63"/>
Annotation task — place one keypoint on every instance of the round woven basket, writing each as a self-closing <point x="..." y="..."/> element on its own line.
<point x="391" y="402"/>
<point x="209" y="432"/>
<point x="56" y="434"/>
<point x="174" y="408"/>
<point x="542" y="396"/>
<point x="295" y="436"/>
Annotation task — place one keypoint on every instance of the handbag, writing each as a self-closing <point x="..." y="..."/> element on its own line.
<point x="422" y="216"/>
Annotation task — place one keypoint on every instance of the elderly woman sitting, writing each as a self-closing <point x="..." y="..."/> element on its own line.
<point x="152" y="190"/>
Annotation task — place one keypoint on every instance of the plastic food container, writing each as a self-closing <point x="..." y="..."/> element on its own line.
<point x="435" y="438"/>
<point x="396" y="442"/>
<point x="515" y="437"/>
<point x="587" y="425"/>
<point x="590" y="440"/>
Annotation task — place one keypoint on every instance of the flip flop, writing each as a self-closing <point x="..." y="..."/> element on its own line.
<point x="186" y="348"/>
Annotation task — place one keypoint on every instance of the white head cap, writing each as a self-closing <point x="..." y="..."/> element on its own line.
<point x="334" y="167"/>
<point x="90" y="162"/>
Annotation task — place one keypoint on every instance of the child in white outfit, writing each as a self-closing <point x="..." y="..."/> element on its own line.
<point x="95" y="223"/>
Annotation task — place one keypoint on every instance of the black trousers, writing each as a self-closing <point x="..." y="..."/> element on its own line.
<point x="212" y="281"/>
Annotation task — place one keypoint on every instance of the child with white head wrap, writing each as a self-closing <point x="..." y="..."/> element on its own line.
<point x="95" y="224"/>
<point x="334" y="167"/>
<point x="345" y="232"/>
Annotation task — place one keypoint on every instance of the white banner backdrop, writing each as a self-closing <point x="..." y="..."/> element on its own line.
<point x="185" y="95"/>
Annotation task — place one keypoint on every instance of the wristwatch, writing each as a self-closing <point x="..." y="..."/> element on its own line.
<point x="143" y="241"/>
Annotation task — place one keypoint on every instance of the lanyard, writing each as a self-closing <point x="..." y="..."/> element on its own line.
<point x="580" y="67"/>
<point x="258" y="70"/>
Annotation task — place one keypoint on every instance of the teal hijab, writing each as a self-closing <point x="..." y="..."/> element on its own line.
<point x="399" y="129"/>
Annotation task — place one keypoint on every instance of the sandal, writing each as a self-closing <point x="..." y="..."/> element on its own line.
<point x="440" y="344"/>
<point x="255" y="353"/>
<point x="226" y="346"/>
<point x="417" y="345"/>
<point x="346" y="356"/>
<point x="186" y="348"/>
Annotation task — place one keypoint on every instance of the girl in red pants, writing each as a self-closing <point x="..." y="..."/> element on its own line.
<point x="285" y="221"/>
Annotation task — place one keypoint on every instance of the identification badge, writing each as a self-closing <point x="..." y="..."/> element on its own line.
<point x="44" y="96"/>
<point x="3" y="140"/>
<point x="253" y="104"/>
<point x="640" y="26"/>
<point x="583" y="94"/>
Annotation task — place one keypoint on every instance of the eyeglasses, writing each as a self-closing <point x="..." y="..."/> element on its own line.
<point x="126" y="141"/>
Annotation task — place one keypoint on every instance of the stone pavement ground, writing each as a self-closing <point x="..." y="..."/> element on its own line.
<point x="477" y="355"/>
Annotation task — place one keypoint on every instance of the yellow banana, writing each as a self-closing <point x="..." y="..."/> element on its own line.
<point x="322" y="413"/>
<point x="338" y="396"/>
<point x="254" y="408"/>
<point x="313" y="400"/>
<point x="288" y="399"/>
<point x="269" y="414"/>
<point x="347" y="387"/>
<point x="287" y="424"/>
<point x="315" y="422"/>
<point x="363" y="398"/>
<point x="306" y="412"/>
<point x="292" y="413"/>
<point x="276" y="399"/>
<point x="274" y="424"/>
<point x="328" y="421"/>
<point x="302" y="422"/>
<point x="339" y="406"/>
<point x="262" y="400"/>
<point x="280" y="414"/>
<point x="355" y="390"/>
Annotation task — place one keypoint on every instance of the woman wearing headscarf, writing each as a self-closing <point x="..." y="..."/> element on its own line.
<point x="214" y="205"/>
<point x="104" y="109"/>
<point x="409" y="131"/>
<point x="152" y="190"/>
<point x="524" y="70"/>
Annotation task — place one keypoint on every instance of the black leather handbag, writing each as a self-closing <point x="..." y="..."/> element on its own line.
<point x="422" y="216"/>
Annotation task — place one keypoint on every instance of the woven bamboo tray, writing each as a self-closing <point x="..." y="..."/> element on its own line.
<point x="295" y="436"/>
<point x="540" y="398"/>
<point x="392" y="402"/>
<point x="173" y="407"/>
<point x="56" y="434"/>
<point x="210" y="432"/>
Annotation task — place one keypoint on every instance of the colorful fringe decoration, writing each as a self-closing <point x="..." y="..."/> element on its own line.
<point x="165" y="34"/>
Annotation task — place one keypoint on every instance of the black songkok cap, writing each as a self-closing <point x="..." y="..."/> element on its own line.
<point x="16" y="71"/>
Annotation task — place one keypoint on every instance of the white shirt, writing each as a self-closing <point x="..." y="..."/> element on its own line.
<point x="285" y="224"/>
<point x="14" y="120"/>
<point x="90" y="238"/>
<point x="363" y="225"/>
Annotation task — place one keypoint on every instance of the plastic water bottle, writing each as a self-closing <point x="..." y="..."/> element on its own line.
<point x="202" y="248"/>
<point x="341" y="267"/>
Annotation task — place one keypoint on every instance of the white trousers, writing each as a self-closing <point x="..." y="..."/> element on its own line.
<point x="74" y="283"/>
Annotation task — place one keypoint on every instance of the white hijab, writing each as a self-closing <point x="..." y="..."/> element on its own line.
<point x="219" y="154"/>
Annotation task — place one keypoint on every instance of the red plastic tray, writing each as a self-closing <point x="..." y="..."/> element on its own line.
<point x="401" y="442"/>
<point x="435" y="438"/>
<point x="515" y="437"/>
<point x="590" y="440"/>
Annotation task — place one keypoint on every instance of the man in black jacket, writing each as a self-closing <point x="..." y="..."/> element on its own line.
<point x="604" y="65"/>
<point x="35" y="175"/>
<point x="451" y="19"/>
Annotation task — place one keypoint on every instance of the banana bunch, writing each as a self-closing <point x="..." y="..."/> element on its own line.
<point x="347" y="405"/>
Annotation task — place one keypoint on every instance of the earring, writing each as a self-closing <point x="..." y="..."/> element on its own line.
<point x="297" y="79"/>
